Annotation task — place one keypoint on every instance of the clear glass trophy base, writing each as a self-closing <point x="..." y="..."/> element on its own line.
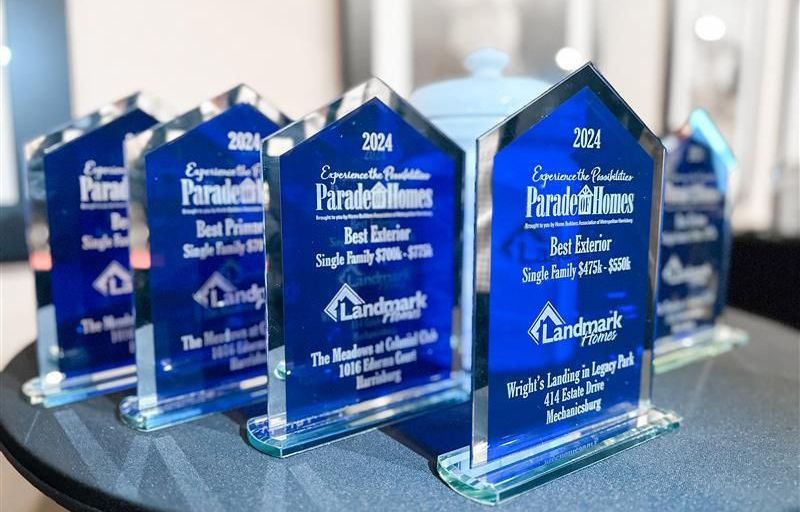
<point x="671" y="353"/>
<point x="514" y="474"/>
<point x="53" y="389"/>
<point x="191" y="406"/>
<point x="347" y="425"/>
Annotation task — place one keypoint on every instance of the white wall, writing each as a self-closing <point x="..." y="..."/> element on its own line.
<point x="185" y="51"/>
<point x="631" y="52"/>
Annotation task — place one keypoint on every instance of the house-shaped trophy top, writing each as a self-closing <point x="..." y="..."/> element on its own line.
<point x="171" y="130"/>
<point x="169" y="133"/>
<point x="699" y="146"/>
<point x="365" y="93"/>
<point x="586" y="78"/>
<point x="36" y="148"/>
<point x="584" y="85"/>
<point x="47" y="144"/>
<point x="361" y="110"/>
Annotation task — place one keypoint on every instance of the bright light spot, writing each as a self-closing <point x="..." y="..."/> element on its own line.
<point x="710" y="28"/>
<point x="53" y="377"/>
<point x="5" y="55"/>
<point x="569" y="59"/>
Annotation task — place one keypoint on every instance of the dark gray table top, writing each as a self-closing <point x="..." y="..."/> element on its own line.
<point x="738" y="449"/>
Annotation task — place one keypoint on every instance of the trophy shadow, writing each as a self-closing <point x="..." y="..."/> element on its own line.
<point x="240" y="416"/>
<point x="434" y="433"/>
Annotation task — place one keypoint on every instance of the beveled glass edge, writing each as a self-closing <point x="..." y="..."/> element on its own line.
<point x="384" y="411"/>
<point x="700" y="122"/>
<point x="190" y="406"/>
<point x="136" y="149"/>
<point x="51" y="394"/>
<point x="673" y="352"/>
<point x="37" y="232"/>
<point x="495" y="140"/>
<point x="283" y="141"/>
<point x="540" y="464"/>
<point x="73" y="128"/>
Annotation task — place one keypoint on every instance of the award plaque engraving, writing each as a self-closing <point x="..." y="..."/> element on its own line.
<point x="78" y="249"/>
<point x="197" y="250"/>
<point x="695" y="247"/>
<point x="567" y="222"/>
<point x="363" y="249"/>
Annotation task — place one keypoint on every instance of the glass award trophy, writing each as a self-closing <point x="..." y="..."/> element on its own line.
<point x="567" y="223"/>
<point x="197" y="250"/>
<point x="363" y="249"/>
<point x="77" y="220"/>
<point x="695" y="247"/>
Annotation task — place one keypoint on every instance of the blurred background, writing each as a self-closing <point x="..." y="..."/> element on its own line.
<point x="738" y="59"/>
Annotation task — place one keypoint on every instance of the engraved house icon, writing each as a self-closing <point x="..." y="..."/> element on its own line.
<point x="538" y="329"/>
<point x="344" y="293"/>
<point x="379" y="195"/>
<point x="212" y="293"/>
<point x="695" y="153"/>
<point x="676" y="272"/>
<point x="250" y="191"/>
<point x="672" y="271"/>
<point x="585" y="197"/>
<point x="114" y="280"/>
<point x="524" y="246"/>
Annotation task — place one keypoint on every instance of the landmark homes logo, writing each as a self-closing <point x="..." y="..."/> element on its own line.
<point x="675" y="273"/>
<point x="114" y="280"/>
<point x="549" y="327"/>
<point x="348" y="305"/>
<point x="217" y="292"/>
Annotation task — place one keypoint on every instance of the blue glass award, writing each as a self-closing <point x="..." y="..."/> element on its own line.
<point x="77" y="217"/>
<point x="695" y="247"/>
<point x="197" y="250"/>
<point x="567" y="222"/>
<point x="363" y="248"/>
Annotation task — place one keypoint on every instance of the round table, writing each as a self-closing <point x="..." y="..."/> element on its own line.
<point x="737" y="449"/>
